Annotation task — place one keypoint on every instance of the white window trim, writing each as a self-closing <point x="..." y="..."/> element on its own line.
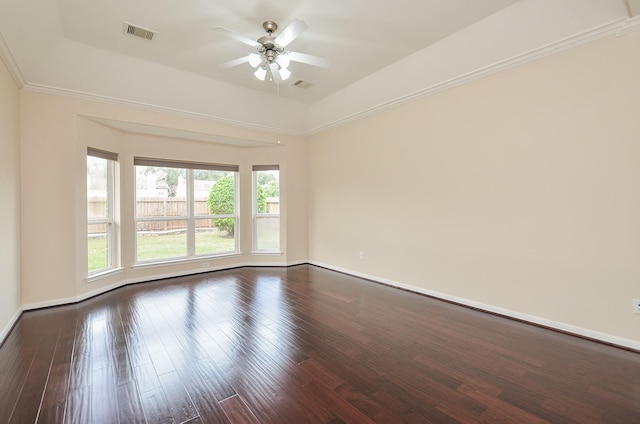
<point x="190" y="218"/>
<point x="105" y="273"/>
<point x="111" y="235"/>
<point x="183" y="260"/>
<point x="257" y="215"/>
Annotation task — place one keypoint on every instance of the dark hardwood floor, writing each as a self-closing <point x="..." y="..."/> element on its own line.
<point x="301" y="345"/>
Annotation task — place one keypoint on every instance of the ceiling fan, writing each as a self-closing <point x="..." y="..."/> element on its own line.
<point x="271" y="57"/>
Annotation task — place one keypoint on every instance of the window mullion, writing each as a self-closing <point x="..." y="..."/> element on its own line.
<point x="163" y="218"/>
<point x="254" y="209"/>
<point x="99" y="221"/>
<point x="110" y="206"/>
<point x="191" y="225"/>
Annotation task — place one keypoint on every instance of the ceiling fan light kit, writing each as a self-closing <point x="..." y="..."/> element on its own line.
<point x="260" y="73"/>
<point x="271" y="54"/>
<point x="254" y="60"/>
<point x="270" y="57"/>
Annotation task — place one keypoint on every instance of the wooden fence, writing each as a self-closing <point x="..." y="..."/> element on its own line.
<point x="168" y="207"/>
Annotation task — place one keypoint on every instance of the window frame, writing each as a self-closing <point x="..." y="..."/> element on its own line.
<point x="258" y="215"/>
<point x="110" y="219"/>
<point x="190" y="217"/>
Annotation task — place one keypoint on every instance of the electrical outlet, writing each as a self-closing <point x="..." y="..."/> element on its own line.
<point x="361" y="255"/>
<point x="636" y="306"/>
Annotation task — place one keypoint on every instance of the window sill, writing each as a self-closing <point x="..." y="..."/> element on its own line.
<point x="266" y="253"/>
<point x="103" y="274"/>
<point x="143" y="265"/>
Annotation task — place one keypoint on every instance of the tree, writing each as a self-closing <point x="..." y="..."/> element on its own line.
<point x="265" y="177"/>
<point x="172" y="178"/>
<point x="222" y="202"/>
<point x="169" y="176"/>
<point x="207" y="175"/>
<point x="262" y="200"/>
<point x="272" y="189"/>
<point x="269" y="182"/>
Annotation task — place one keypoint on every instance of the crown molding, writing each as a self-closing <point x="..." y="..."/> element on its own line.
<point x="12" y="65"/>
<point x="630" y="25"/>
<point x="618" y="27"/>
<point x="609" y="29"/>
<point x="79" y="95"/>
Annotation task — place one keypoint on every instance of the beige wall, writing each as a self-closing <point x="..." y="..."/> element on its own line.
<point x="518" y="192"/>
<point x="10" y="201"/>
<point x="55" y="136"/>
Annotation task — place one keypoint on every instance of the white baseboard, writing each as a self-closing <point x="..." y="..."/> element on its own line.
<point x="7" y="329"/>
<point x="560" y="326"/>
<point x="104" y="289"/>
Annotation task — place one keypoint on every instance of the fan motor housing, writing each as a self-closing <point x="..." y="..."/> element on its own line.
<point x="268" y="42"/>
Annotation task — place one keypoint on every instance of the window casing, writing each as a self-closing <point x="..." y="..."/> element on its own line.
<point x="266" y="208"/>
<point x="101" y="228"/>
<point x="185" y="210"/>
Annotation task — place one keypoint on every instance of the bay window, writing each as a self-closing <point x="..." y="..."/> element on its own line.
<point x="266" y="207"/>
<point x="184" y="209"/>
<point x="101" y="228"/>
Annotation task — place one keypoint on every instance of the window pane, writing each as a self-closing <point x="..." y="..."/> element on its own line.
<point x="158" y="240"/>
<point x="222" y="198"/>
<point x="210" y="240"/>
<point x="97" y="188"/>
<point x="98" y="246"/>
<point x="191" y="210"/>
<point x="267" y="216"/>
<point x="222" y="201"/>
<point x="268" y="233"/>
<point x="203" y="182"/>
<point x="268" y="195"/>
<point x="100" y="207"/>
<point x="160" y="191"/>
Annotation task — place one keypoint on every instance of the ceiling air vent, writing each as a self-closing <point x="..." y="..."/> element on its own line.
<point x="302" y="84"/>
<point x="137" y="31"/>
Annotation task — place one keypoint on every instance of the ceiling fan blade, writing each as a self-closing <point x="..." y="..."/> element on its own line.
<point x="291" y="32"/>
<point x="308" y="59"/>
<point x="274" y="72"/>
<point x="234" y="62"/>
<point x="238" y="37"/>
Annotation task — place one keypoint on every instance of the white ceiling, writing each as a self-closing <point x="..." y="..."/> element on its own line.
<point x="358" y="37"/>
<point x="378" y="50"/>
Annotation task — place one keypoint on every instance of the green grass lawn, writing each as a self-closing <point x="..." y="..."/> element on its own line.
<point x="163" y="246"/>
<point x="97" y="253"/>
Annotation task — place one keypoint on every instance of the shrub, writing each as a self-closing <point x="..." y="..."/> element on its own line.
<point x="222" y="202"/>
<point x="262" y="200"/>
